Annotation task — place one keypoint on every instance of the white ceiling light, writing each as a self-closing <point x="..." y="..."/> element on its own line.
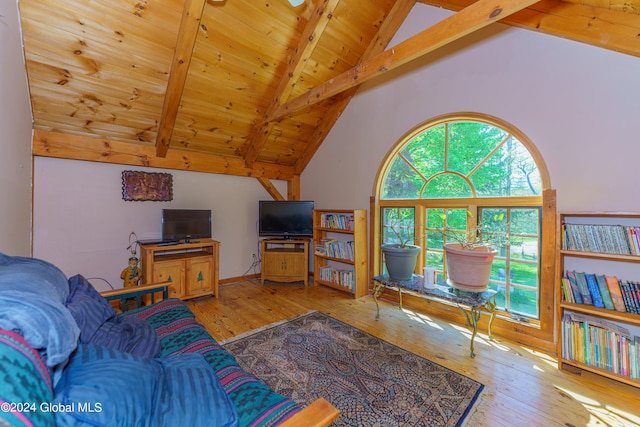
<point x="296" y="3"/>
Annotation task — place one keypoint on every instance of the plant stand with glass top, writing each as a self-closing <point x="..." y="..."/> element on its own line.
<point x="470" y="303"/>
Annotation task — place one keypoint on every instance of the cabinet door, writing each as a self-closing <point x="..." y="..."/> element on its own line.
<point x="171" y="271"/>
<point x="198" y="276"/>
<point x="295" y="265"/>
<point x="274" y="263"/>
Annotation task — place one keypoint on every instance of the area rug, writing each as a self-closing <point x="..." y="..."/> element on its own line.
<point x="371" y="382"/>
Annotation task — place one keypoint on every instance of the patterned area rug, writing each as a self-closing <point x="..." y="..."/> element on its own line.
<point x="371" y="382"/>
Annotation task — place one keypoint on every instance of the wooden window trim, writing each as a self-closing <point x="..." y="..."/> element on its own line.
<point x="540" y="335"/>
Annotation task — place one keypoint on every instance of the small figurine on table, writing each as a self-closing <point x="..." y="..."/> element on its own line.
<point x="132" y="274"/>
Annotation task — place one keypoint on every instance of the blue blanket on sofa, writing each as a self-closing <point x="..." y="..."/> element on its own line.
<point x="104" y="365"/>
<point x="32" y="297"/>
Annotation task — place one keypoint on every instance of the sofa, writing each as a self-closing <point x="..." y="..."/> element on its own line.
<point x="68" y="358"/>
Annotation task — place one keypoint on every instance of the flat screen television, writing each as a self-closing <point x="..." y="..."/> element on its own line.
<point x="186" y="224"/>
<point x="285" y="219"/>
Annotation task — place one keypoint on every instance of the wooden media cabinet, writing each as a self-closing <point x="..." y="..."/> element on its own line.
<point x="285" y="260"/>
<point x="192" y="268"/>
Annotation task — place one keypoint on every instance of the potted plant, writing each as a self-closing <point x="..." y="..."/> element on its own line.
<point x="400" y="256"/>
<point x="470" y="256"/>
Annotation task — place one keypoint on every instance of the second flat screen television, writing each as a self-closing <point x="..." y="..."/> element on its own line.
<point x="285" y="219"/>
<point x="186" y="224"/>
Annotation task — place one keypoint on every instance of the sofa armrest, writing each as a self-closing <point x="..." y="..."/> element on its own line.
<point x="137" y="292"/>
<point x="319" y="414"/>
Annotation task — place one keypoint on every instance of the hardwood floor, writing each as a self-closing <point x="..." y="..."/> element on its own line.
<point x="524" y="386"/>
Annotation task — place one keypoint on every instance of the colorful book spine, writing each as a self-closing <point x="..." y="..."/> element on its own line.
<point x="340" y="277"/>
<point x="574" y="287"/>
<point x="604" y="292"/>
<point x="567" y="293"/>
<point x="616" y="294"/>
<point x="626" y="296"/>
<point x="634" y="290"/>
<point x="603" y="238"/>
<point x="594" y="290"/>
<point x="581" y="280"/>
<point x="337" y="221"/>
<point x="601" y="344"/>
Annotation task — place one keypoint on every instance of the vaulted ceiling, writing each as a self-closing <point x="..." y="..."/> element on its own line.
<point x="243" y="87"/>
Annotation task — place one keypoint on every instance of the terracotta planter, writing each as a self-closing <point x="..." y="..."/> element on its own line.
<point x="469" y="269"/>
<point x="400" y="262"/>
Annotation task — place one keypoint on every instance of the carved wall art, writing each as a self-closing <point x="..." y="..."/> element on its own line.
<point x="147" y="186"/>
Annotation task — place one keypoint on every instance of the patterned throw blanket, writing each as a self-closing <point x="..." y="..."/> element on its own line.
<point x="179" y="332"/>
<point x="25" y="383"/>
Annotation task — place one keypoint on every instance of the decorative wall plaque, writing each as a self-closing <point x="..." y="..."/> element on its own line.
<point x="147" y="186"/>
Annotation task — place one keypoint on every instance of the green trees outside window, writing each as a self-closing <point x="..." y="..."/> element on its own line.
<point x="455" y="174"/>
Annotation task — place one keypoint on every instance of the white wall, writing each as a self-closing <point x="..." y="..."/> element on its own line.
<point x="577" y="103"/>
<point x="82" y="225"/>
<point x="15" y="138"/>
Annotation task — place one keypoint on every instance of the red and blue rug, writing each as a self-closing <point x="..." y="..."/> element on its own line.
<point x="371" y="382"/>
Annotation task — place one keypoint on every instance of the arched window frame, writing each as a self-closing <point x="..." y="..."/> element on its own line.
<point x="540" y="334"/>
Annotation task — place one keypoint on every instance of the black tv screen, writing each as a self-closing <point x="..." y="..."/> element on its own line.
<point x="293" y="218"/>
<point x="186" y="224"/>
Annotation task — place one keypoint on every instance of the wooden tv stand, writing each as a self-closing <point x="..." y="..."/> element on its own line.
<point x="285" y="260"/>
<point x="192" y="268"/>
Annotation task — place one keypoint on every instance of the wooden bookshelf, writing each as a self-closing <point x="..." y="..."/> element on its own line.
<point x="340" y="250"/>
<point x="590" y="257"/>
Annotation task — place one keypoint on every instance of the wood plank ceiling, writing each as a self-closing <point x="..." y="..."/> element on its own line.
<point x="238" y="86"/>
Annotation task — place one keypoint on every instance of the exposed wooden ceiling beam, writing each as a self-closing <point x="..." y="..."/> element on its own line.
<point x="76" y="147"/>
<point x="387" y="30"/>
<point x="610" y="29"/>
<point x="271" y="189"/>
<point x="475" y="16"/>
<point x="308" y="42"/>
<point x="293" y="188"/>
<point x="189" y="24"/>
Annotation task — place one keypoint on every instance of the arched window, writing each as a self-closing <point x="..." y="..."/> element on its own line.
<point x="458" y="171"/>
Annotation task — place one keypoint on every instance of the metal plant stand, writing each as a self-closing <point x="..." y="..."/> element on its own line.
<point x="470" y="303"/>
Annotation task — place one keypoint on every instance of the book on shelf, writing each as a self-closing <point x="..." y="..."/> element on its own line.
<point x="601" y="291"/>
<point x="601" y="344"/>
<point x="603" y="238"/>
<point x="616" y="294"/>
<point x="577" y="296"/>
<point x="604" y="292"/>
<point x="335" y="249"/>
<point x="594" y="290"/>
<point x="581" y="280"/>
<point x="321" y="245"/>
<point x="567" y="293"/>
<point x="337" y="221"/>
<point x="342" y="277"/>
<point x="630" y="296"/>
<point x="636" y="294"/>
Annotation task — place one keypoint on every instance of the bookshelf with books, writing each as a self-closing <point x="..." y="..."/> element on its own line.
<point x="340" y="250"/>
<point x="598" y="300"/>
